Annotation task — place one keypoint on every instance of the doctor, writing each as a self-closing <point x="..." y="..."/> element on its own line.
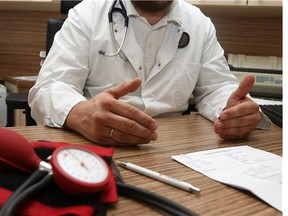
<point x="108" y="84"/>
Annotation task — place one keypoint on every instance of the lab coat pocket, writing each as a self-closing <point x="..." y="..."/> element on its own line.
<point x="186" y="75"/>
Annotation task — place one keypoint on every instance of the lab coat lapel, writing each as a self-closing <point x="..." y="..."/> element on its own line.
<point x="131" y="49"/>
<point x="167" y="49"/>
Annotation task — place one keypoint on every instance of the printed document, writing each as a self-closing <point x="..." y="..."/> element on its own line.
<point x="244" y="167"/>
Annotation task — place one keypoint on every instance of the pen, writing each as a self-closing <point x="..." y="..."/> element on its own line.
<point x="158" y="176"/>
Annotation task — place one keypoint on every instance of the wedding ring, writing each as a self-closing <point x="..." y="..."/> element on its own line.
<point x="111" y="133"/>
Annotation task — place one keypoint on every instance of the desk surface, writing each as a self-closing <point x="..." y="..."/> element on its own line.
<point x="178" y="135"/>
<point x="23" y="82"/>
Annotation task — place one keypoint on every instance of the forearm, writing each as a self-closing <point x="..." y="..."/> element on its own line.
<point x="50" y="105"/>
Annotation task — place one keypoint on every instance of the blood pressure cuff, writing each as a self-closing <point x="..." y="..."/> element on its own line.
<point x="52" y="200"/>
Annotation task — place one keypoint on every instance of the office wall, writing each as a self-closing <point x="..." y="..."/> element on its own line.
<point x="23" y="35"/>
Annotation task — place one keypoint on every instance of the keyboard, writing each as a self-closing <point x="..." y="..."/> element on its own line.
<point x="274" y="113"/>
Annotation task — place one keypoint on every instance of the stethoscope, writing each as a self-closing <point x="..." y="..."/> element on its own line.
<point x="183" y="42"/>
<point x="123" y="11"/>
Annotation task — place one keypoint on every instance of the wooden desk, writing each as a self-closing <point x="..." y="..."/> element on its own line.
<point x="18" y="85"/>
<point x="179" y="135"/>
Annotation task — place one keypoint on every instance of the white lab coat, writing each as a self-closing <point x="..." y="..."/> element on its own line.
<point x="74" y="70"/>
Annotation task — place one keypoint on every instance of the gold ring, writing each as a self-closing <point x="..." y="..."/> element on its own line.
<point x="111" y="133"/>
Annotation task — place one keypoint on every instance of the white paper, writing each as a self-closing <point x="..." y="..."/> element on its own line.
<point x="244" y="167"/>
<point x="260" y="101"/>
<point x="28" y="78"/>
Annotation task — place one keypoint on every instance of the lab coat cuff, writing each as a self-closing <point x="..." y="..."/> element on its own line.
<point x="61" y="108"/>
<point x="48" y="121"/>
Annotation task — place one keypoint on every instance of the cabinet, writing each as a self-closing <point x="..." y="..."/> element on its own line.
<point x="236" y="2"/>
<point x="239" y="8"/>
<point x="264" y="2"/>
<point x="221" y="2"/>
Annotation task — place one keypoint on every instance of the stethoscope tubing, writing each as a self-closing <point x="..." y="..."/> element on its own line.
<point x="36" y="181"/>
<point x="123" y="11"/>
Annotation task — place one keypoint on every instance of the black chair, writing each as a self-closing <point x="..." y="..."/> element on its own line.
<point x="16" y="101"/>
<point x="53" y="26"/>
<point x="65" y="6"/>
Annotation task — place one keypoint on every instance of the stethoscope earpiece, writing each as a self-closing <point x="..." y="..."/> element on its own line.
<point x="184" y="40"/>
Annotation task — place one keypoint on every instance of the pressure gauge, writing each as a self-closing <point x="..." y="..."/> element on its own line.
<point x="77" y="170"/>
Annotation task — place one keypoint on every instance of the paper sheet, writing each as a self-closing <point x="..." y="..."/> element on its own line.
<point x="267" y="102"/>
<point x="28" y="78"/>
<point x="244" y="167"/>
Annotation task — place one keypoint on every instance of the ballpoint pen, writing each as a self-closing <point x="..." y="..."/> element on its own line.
<point x="158" y="176"/>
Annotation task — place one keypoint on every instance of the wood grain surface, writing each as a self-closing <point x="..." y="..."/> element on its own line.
<point x="179" y="135"/>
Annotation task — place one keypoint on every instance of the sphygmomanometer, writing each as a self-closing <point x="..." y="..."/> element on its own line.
<point x="81" y="175"/>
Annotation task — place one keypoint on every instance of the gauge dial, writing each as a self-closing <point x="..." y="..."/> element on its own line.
<point x="77" y="170"/>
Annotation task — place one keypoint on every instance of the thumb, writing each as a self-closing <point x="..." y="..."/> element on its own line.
<point x="244" y="88"/>
<point x="124" y="88"/>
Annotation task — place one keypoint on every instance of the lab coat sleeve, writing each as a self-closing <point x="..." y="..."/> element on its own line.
<point x="60" y="83"/>
<point x="216" y="83"/>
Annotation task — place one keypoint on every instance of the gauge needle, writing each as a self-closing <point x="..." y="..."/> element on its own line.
<point x="82" y="164"/>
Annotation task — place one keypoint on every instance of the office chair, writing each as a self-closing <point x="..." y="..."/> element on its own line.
<point x="54" y="25"/>
<point x="65" y="5"/>
<point x="20" y="100"/>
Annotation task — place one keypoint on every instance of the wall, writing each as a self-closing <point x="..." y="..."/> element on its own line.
<point x="248" y="30"/>
<point x="23" y="35"/>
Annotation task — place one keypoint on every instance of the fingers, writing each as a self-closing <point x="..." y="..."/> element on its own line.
<point x="117" y="138"/>
<point x="236" y="133"/>
<point x="238" y="121"/>
<point x="124" y="88"/>
<point x="124" y="139"/>
<point x="115" y="129"/>
<point x="95" y="118"/>
<point x="132" y="127"/>
<point x="128" y="117"/>
<point x="99" y="133"/>
<point x="241" y="114"/>
<point x="130" y="124"/>
<point x="244" y="88"/>
<point x="241" y="108"/>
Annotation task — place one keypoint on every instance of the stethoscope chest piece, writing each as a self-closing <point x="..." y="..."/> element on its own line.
<point x="184" y="40"/>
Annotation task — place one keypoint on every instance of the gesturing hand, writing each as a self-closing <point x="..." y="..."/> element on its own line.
<point x="241" y="115"/>
<point x="107" y="120"/>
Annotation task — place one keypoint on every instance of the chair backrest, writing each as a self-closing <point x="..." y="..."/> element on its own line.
<point x="65" y="5"/>
<point x="54" y="25"/>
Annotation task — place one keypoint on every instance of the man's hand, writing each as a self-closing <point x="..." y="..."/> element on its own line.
<point x="241" y="115"/>
<point x="107" y="120"/>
